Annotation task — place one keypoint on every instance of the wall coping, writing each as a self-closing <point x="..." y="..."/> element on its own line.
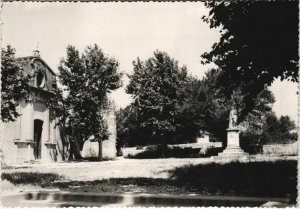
<point x="50" y="143"/>
<point x="24" y="141"/>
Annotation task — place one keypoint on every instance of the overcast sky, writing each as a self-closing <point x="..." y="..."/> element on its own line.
<point x="124" y="31"/>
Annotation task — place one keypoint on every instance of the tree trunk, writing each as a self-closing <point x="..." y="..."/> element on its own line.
<point x="100" y="150"/>
<point x="163" y="147"/>
<point x="74" y="150"/>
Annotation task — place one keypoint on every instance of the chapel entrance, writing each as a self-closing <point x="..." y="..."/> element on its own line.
<point x="38" y="129"/>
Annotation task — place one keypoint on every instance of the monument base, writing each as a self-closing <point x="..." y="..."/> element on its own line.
<point x="233" y="152"/>
<point x="233" y="149"/>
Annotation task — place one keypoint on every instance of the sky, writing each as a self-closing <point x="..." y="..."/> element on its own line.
<point x="124" y="31"/>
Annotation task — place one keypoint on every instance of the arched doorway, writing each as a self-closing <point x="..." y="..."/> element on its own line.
<point x="38" y="129"/>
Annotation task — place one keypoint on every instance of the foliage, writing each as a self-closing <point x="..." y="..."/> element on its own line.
<point x="259" y="43"/>
<point x="279" y="130"/>
<point x="14" y="84"/>
<point x="203" y="107"/>
<point x="129" y="130"/>
<point x="263" y="127"/>
<point x="155" y="86"/>
<point x="255" y="122"/>
<point x="87" y="80"/>
<point x="206" y="107"/>
<point x="153" y="152"/>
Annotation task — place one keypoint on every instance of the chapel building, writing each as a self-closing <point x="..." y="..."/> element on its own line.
<point x="34" y="136"/>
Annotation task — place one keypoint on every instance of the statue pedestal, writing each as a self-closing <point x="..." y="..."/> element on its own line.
<point x="233" y="149"/>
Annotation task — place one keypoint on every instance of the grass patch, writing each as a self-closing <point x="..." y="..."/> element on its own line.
<point x="270" y="179"/>
<point x="153" y="152"/>
<point x="34" y="178"/>
<point x="121" y="185"/>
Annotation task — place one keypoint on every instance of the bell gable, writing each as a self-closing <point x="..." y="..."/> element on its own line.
<point x="43" y="77"/>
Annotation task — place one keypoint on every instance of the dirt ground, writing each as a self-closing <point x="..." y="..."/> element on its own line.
<point x="119" y="168"/>
<point x="151" y="176"/>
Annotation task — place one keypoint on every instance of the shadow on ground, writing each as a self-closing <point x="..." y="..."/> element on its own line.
<point x="271" y="179"/>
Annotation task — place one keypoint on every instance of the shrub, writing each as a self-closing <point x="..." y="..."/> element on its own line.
<point x="139" y="147"/>
<point x="153" y="152"/>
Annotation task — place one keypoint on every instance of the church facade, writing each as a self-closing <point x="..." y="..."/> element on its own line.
<point x="34" y="136"/>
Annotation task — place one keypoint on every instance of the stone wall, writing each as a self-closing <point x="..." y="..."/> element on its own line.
<point x="281" y="149"/>
<point x="109" y="150"/>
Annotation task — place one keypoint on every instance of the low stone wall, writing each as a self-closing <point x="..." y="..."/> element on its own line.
<point x="91" y="149"/>
<point x="281" y="149"/>
<point x="198" y="145"/>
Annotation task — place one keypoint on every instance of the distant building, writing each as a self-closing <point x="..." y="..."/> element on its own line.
<point x="109" y="150"/>
<point x="33" y="137"/>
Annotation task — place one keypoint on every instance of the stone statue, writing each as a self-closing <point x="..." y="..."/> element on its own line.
<point x="233" y="118"/>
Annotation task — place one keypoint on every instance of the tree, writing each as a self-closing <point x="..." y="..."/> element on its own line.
<point x="253" y="126"/>
<point x="155" y="86"/>
<point x="87" y="80"/>
<point x="129" y="130"/>
<point x="128" y="127"/>
<point x="14" y="84"/>
<point x="279" y="130"/>
<point x="206" y="107"/>
<point x="259" y="43"/>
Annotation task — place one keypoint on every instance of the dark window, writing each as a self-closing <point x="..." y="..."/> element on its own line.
<point x="40" y="79"/>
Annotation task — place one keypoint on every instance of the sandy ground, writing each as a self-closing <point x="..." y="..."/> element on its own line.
<point x="119" y="168"/>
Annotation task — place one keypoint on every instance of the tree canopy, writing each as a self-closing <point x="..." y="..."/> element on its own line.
<point x="202" y="106"/>
<point x="259" y="43"/>
<point x="129" y="130"/>
<point x="206" y="107"/>
<point x="86" y="79"/>
<point x="14" y="84"/>
<point x="155" y="85"/>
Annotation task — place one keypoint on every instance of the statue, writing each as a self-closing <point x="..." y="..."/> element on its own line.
<point x="233" y="118"/>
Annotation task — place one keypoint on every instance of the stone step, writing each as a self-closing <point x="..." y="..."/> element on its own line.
<point x="233" y="151"/>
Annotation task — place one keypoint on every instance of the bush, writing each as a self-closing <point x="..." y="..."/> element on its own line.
<point x="153" y="152"/>
<point x="139" y="147"/>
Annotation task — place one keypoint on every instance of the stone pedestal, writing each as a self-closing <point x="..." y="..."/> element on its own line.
<point x="24" y="150"/>
<point x="233" y="149"/>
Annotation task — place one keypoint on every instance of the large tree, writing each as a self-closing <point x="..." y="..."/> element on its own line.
<point x="267" y="129"/>
<point x="259" y="43"/>
<point x="87" y="79"/>
<point x="206" y="107"/>
<point x="155" y="86"/>
<point x="14" y="84"/>
<point x="279" y="130"/>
